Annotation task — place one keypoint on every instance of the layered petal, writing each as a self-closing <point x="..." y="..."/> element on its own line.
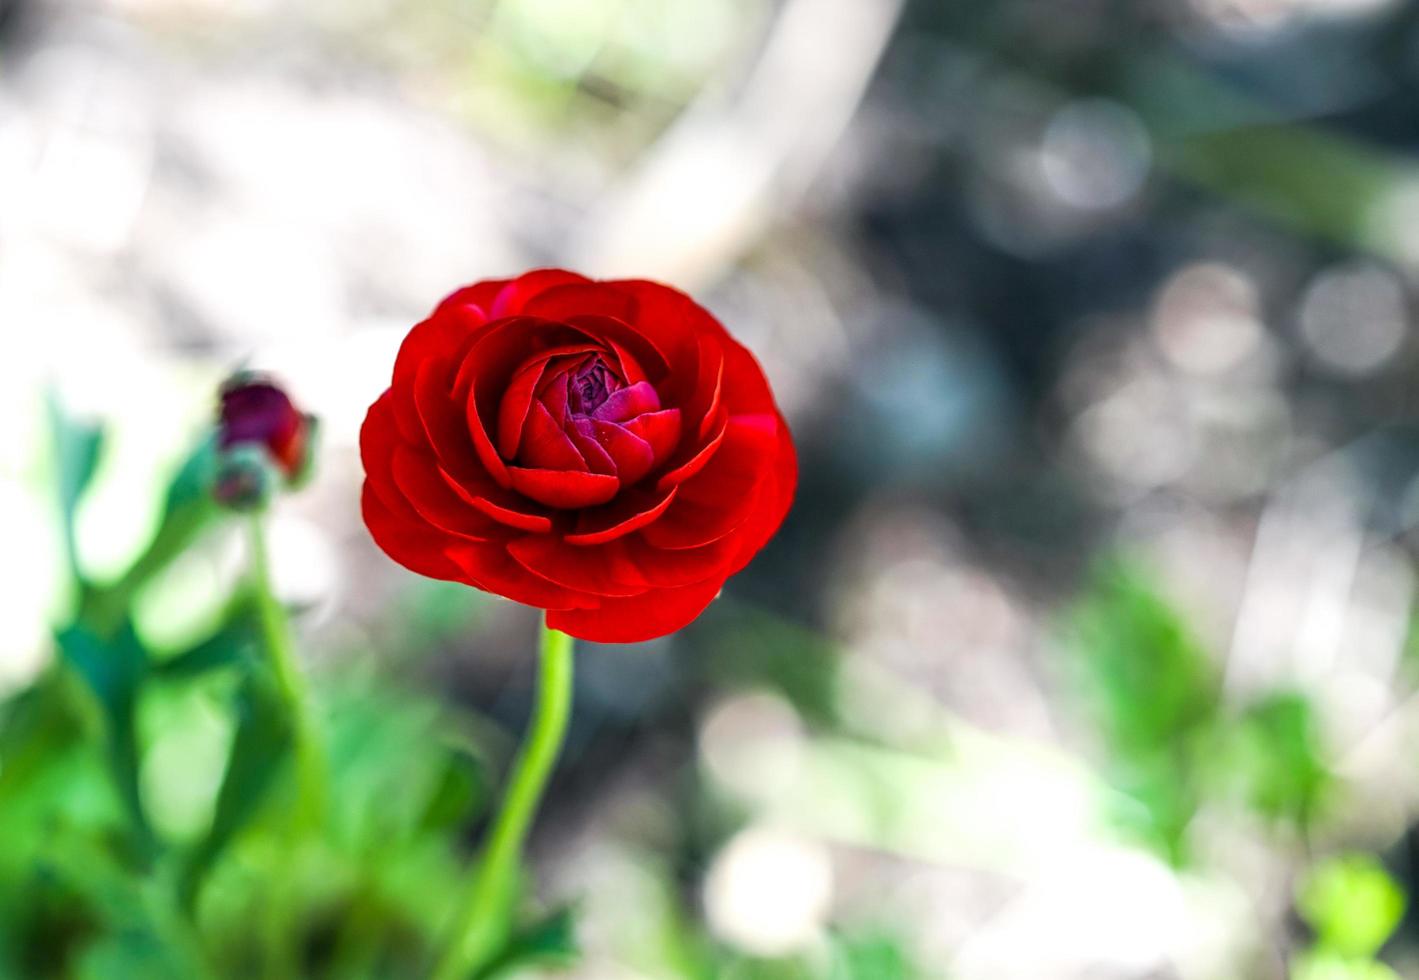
<point x="629" y="512"/>
<point x="636" y="618"/>
<point x="564" y="489"/>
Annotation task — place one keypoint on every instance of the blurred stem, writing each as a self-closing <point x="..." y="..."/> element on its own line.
<point x="280" y="954"/>
<point x="485" y="918"/>
<point x="276" y="634"/>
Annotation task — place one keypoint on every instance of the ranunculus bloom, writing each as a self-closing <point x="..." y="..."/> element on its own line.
<point x="602" y="450"/>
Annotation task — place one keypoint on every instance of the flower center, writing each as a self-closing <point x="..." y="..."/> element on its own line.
<point x="590" y="385"/>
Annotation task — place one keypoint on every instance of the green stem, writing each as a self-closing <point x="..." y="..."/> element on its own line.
<point x="485" y="917"/>
<point x="280" y="957"/>
<point x="276" y="633"/>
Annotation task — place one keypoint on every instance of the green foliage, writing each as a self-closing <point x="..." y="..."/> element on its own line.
<point x="1153" y="694"/>
<point x="549" y="942"/>
<point x="261" y="745"/>
<point x="187" y="511"/>
<point x="235" y="641"/>
<point x="235" y="885"/>
<point x="77" y="447"/>
<point x="39" y="726"/>
<point x="1328" y="966"/>
<point x="1170" y="739"/>
<point x="113" y="671"/>
<point x="876" y="957"/>
<point x="1354" y="907"/>
<point x="1352" y="903"/>
<point x="1151" y="681"/>
<point x="751" y="649"/>
<point x="867" y="956"/>
<point x="1277" y="758"/>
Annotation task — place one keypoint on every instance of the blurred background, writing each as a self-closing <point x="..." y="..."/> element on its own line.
<point x="1088" y="650"/>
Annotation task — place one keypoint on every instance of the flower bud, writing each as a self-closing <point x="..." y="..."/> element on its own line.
<point x="245" y="478"/>
<point x="263" y="442"/>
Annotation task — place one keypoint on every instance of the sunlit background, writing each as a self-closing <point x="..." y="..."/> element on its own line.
<point x="1088" y="649"/>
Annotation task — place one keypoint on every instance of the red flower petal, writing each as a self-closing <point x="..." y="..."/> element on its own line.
<point x="493" y="354"/>
<point x="696" y="462"/>
<point x="417" y="547"/>
<point x="742" y="460"/>
<point x="438" y="337"/>
<point x="480" y="295"/>
<point x="378" y="434"/>
<point x="595" y="571"/>
<point x="647" y="360"/>
<point x="491" y="568"/>
<point x="672" y="320"/>
<point x="663" y="310"/>
<point x="515" y="404"/>
<point x="660" y="429"/>
<point x="488" y="365"/>
<point x="632" y="455"/>
<point x="482" y="445"/>
<point x="538" y="376"/>
<point x="562" y="488"/>
<point x="545" y="446"/>
<point x="483" y="565"/>
<point x="770" y="516"/>
<point x="443" y="429"/>
<point x="627" y="403"/>
<point x="434" y="500"/>
<point x="554" y="395"/>
<point x="517" y="294"/>
<point x="590" y="299"/>
<point x="630" y="368"/>
<point x="503" y="512"/>
<point x="583" y="436"/>
<point x="724" y="495"/>
<point x="689" y="524"/>
<point x="697" y="389"/>
<point x="712" y="408"/>
<point x="629" y="512"/>
<point x="650" y="567"/>
<point x="637" y="618"/>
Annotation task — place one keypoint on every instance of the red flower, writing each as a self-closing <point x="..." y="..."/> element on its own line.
<point x="602" y="450"/>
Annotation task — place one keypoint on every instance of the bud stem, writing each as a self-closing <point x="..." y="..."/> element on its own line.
<point x="276" y="633"/>
<point x="485" y="918"/>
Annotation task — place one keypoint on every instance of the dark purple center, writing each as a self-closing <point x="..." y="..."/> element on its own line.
<point x="590" y="385"/>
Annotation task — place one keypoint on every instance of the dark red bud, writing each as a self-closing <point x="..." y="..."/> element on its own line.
<point x="259" y="429"/>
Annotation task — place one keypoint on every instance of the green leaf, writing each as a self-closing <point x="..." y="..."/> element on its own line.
<point x="262" y="741"/>
<point x="77" y="447"/>
<point x="132" y="953"/>
<point x="1280" y="758"/>
<point x="461" y="788"/>
<point x="37" y="726"/>
<point x="876" y="957"/>
<point x="187" y="509"/>
<point x="1153" y="694"/>
<point x="230" y="644"/>
<point x="1352" y="904"/>
<point x="113" y="670"/>
<point x="1329" y="966"/>
<point x="753" y="648"/>
<point x="550" y="941"/>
